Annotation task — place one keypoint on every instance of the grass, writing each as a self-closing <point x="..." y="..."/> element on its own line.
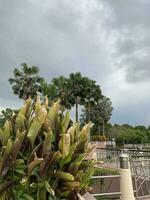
<point x="104" y="171"/>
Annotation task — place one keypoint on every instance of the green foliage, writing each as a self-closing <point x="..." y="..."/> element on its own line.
<point x="6" y="115"/>
<point x="61" y="84"/>
<point x="127" y="134"/>
<point x="104" y="171"/>
<point x="100" y="113"/>
<point x="26" y="81"/>
<point x="82" y="90"/>
<point x="98" y="138"/>
<point x="42" y="155"/>
<point x="73" y="91"/>
<point x="49" y="90"/>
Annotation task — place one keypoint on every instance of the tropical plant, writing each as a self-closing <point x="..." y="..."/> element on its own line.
<point x="43" y="155"/>
<point x="26" y="82"/>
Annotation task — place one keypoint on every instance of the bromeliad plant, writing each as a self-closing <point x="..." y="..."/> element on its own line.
<point x="43" y="154"/>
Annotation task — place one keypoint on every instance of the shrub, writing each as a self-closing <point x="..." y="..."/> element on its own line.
<point x="43" y="154"/>
<point x="100" y="138"/>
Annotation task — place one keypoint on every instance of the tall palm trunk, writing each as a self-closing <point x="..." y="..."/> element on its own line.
<point x="103" y="128"/>
<point x="76" y="109"/>
<point x="99" y="129"/>
<point x="89" y="111"/>
<point x="89" y="118"/>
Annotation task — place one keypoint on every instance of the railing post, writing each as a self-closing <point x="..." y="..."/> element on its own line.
<point x="126" y="187"/>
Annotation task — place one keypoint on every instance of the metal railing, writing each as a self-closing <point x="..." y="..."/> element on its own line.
<point x="141" y="173"/>
<point x="101" y="185"/>
<point x="140" y="167"/>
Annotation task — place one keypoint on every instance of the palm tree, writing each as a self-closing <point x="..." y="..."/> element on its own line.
<point x="6" y="115"/>
<point x="26" y="81"/>
<point x="76" y="85"/>
<point x="49" y="90"/>
<point x="61" y="85"/>
<point x="93" y="93"/>
<point x="83" y="91"/>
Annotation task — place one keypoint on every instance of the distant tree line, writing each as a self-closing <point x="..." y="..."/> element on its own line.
<point x="127" y="134"/>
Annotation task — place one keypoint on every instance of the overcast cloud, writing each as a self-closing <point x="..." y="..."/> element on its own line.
<point x="109" y="41"/>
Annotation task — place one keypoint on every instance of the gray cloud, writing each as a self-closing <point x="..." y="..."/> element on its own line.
<point x="59" y="37"/>
<point x="105" y="40"/>
<point x="130" y="20"/>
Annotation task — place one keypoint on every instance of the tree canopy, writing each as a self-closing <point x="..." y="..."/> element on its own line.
<point x="6" y="114"/>
<point x="82" y="90"/>
<point x="73" y="91"/>
<point x="26" y="82"/>
<point x="127" y="134"/>
<point x="100" y="113"/>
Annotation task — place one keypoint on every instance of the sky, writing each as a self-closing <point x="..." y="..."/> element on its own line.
<point x="106" y="40"/>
